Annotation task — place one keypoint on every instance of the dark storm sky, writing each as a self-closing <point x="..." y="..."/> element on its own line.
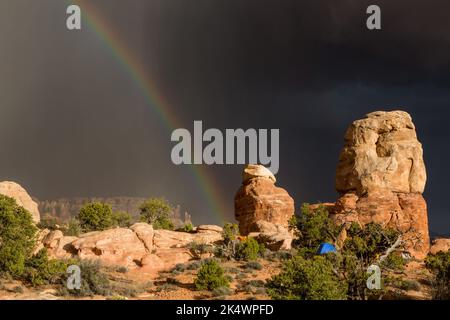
<point x="74" y="123"/>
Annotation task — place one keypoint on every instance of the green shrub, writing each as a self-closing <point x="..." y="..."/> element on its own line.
<point x="248" y="250"/>
<point x="17" y="237"/>
<point x="303" y="279"/>
<point x="93" y="280"/>
<point x="369" y="242"/>
<point x="222" y="291"/>
<point x="394" y="261"/>
<point x="198" y="249"/>
<point x="40" y="270"/>
<point x="314" y="226"/>
<point x="211" y="276"/>
<point x="121" y="219"/>
<point x="188" y="227"/>
<point x="253" y="287"/>
<point x="361" y="249"/>
<point x="166" y="287"/>
<point x="181" y="267"/>
<point x="255" y="265"/>
<point x="230" y="232"/>
<point x="439" y="265"/>
<point x="194" y="265"/>
<point x="409" y="285"/>
<point x="73" y="228"/>
<point x="96" y="217"/>
<point x="122" y="269"/>
<point x="156" y="211"/>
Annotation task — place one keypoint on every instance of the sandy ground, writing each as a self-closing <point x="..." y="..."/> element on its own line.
<point x="180" y="285"/>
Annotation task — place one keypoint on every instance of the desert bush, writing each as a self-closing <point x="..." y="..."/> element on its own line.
<point x="439" y="265"/>
<point x="166" y="287"/>
<point x="248" y="250"/>
<point x="409" y="285"/>
<point x="222" y="291"/>
<point x="361" y="249"/>
<point x="96" y="217"/>
<point x="156" y="211"/>
<point x="211" y="276"/>
<point x="303" y="279"/>
<point x="255" y="265"/>
<point x="122" y="269"/>
<point x="73" y="228"/>
<point x="313" y="226"/>
<point x="194" y="265"/>
<point x="279" y="255"/>
<point x="233" y="270"/>
<point x="121" y="219"/>
<point x="230" y="232"/>
<point x="253" y="287"/>
<point x="40" y="270"/>
<point x="181" y="267"/>
<point x="369" y="242"/>
<point x="17" y="237"/>
<point x="93" y="280"/>
<point x="241" y="276"/>
<point x="394" y="261"/>
<point x="188" y="227"/>
<point x="198" y="249"/>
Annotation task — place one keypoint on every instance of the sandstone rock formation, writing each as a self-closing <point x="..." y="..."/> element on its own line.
<point x="113" y="247"/>
<point x="381" y="176"/>
<point x="137" y="248"/>
<point x="259" y="199"/>
<point x="440" y="245"/>
<point x="14" y="190"/>
<point x="274" y="237"/>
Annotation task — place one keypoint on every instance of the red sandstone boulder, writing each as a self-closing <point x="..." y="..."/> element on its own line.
<point x="259" y="199"/>
<point x="440" y="245"/>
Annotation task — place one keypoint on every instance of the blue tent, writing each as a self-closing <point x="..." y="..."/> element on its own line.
<point x="325" y="248"/>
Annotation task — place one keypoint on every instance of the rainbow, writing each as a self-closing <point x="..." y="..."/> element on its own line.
<point x="155" y="100"/>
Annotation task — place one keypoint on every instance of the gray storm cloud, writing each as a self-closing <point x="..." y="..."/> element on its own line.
<point x="74" y="122"/>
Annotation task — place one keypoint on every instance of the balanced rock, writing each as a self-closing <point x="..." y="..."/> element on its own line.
<point x="23" y="199"/>
<point x="381" y="176"/>
<point x="252" y="171"/>
<point x="259" y="199"/>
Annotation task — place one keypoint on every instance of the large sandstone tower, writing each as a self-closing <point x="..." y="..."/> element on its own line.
<point x="381" y="177"/>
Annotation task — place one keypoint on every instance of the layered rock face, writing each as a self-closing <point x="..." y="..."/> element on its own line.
<point x="258" y="199"/>
<point x="137" y="248"/>
<point x="23" y="199"/>
<point x="381" y="176"/>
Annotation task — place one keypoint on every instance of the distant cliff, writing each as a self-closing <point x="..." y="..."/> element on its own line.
<point x="67" y="208"/>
